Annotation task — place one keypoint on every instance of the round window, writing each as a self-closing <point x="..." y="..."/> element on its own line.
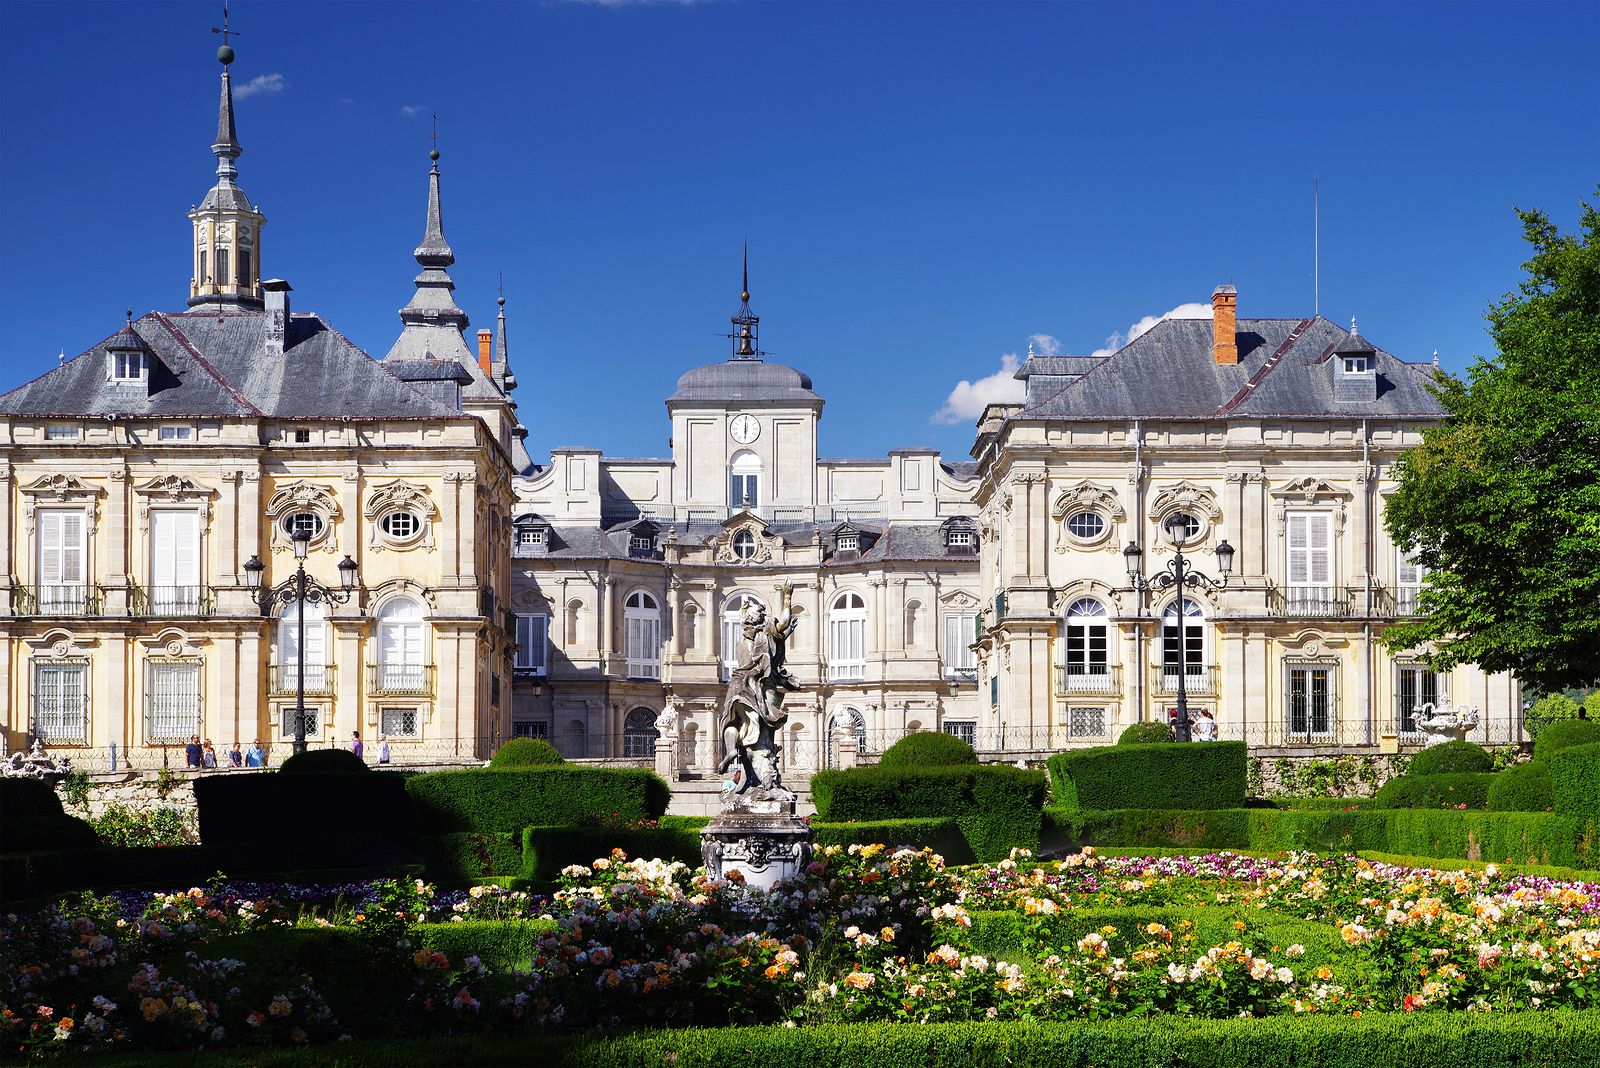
<point x="401" y="525"/>
<point x="303" y="524"/>
<point x="1182" y="527"/>
<point x="744" y="545"/>
<point x="1086" y="525"/>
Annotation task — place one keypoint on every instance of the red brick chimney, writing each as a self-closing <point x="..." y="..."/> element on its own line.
<point x="1224" y="334"/>
<point x="486" y="351"/>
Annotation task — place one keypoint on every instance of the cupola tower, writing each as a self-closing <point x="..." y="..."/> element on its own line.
<point x="227" y="227"/>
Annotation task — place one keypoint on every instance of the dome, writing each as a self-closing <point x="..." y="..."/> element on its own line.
<point x="744" y="380"/>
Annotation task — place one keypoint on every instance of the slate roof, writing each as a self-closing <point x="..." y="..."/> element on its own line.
<point x="1170" y="372"/>
<point x="215" y="364"/>
<point x="960" y="470"/>
<point x="744" y="380"/>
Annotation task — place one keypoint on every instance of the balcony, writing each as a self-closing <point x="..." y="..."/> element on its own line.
<point x="1198" y="681"/>
<point x="72" y="600"/>
<point x="281" y="680"/>
<point x="400" y="680"/>
<point x="171" y="600"/>
<point x="1097" y="679"/>
<point x="1315" y="602"/>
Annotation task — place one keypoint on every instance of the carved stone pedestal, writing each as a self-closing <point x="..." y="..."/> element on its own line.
<point x="762" y="840"/>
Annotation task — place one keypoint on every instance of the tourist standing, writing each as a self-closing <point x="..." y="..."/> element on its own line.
<point x="254" y="757"/>
<point x="356" y="747"/>
<point x="209" y="758"/>
<point x="192" y="753"/>
<point x="235" y="757"/>
<point x="383" y="749"/>
<point x="1205" y="728"/>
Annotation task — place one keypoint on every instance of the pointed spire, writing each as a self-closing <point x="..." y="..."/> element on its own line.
<point x="433" y="322"/>
<point x="746" y="324"/>
<point x="434" y="251"/>
<point x="501" y="364"/>
<point x="226" y="226"/>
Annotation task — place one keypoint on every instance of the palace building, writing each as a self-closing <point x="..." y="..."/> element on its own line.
<point x="1277" y="437"/>
<point x="630" y="577"/>
<point x="148" y="484"/>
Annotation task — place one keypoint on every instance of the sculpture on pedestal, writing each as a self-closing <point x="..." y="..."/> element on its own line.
<point x="1444" y="725"/>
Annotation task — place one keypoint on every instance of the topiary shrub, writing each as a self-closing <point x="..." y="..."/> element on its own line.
<point x="928" y="749"/>
<point x="1173" y="775"/>
<point x="526" y="753"/>
<point x="1146" y="732"/>
<point x="997" y="808"/>
<point x="1548" y="711"/>
<point x="1524" y="788"/>
<point x="1451" y="757"/>
<point x="1575" y="781"/>
<point x="323" y="762"/>
<point x="1565" y="735"/>
<point x="1447" y="790"/>
<point x="484" y="800"/>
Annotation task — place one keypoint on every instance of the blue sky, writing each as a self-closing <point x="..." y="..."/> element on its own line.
<point x="923" y="186"/>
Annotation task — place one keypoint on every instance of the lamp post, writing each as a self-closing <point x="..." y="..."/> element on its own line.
<point x="297" y="591"/>
<point x="1178" y="574"/>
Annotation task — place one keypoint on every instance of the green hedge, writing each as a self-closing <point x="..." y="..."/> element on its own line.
<point x="526" y="753"/>
<point x="1145" y="732"/>
<point x="1523" y="788"/>
<point x="466" y="856"/>
<point x="1448" y="790"/>
<point x="502" y="945"/>
<point x="996" y="807"/>
<point x="1564" y="735"/>
<point x="313" y="819"/>
<point x="28" y="797"/>
<point x="490" y="799"/>
<point x="1155" y="775"/>
<point x="1518" y="837"/>
<point x="23" y="834"/>
<point x="546" y="850"/>
<point x="1449" y="757"/>
<point x="324" y="762"/>
<point x="1575" y="781"/>
<point x="1322" y="804"/>
<point x="928" y="749"/>
<point x="942" y="834"/>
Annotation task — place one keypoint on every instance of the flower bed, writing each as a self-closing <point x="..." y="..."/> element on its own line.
<point x="867" y="936"/>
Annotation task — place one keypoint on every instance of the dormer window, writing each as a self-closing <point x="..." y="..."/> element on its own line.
<point x="1357" y="365"/>
<point x="849" y="543"/>
<point x="529" y="537"/>
<point x="960" y="539"/>
<point x="300" y="435"/>
<point x="641" y="545"/>
<point x="127" y="366"/>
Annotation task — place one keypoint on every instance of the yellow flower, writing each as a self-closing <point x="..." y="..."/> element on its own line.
<point x="860" y="980"/>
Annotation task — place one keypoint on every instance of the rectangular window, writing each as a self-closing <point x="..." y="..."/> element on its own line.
<point x="286" y="721"/>
<point x="960" y="630"/>
<point x="127" y="366"/>
<point x="847" y="648"/>
<point x="746" y="491"/>
<point x="1415" y="686"/>
<point x="174" y="561"/>
<point x="172" y="700"/>
<point x="1310" y="563"/>
<point x="175" y="433"/>
<point x="1086" y="722"/>
<point x="1310" y="703"/>
<point x="530" y="728"/>
<point x="641" y="545"/>
<point x="849" y="543"/>
<point x="222" y="266"/>
<point x="1356" y="365"/>
<point x="1086" y="649"/>
<point x="643" y="645"/>
<point x="300" y="435"/>
<point x="530" y="536"/>
<point x="533" y="632"/>
<point x="63" y="551"/>
<point x="203" y="275"/>
<point x="244" y="266"/>
<point x="965" y="730"/>
<point x="61" y="701"/>
<point x="1409" y="577"/>
<point x="398" y="722"/>
<point x="62" y="432"/>
<point x="960" y="539"/>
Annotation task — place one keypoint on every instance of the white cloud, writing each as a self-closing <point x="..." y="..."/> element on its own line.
<point x="411" y="111"/>
<point x="968" y="400"/>
<point x="263" y="85"/>
<point x="1045" y="344"/>
<point x="1121" y="338"/>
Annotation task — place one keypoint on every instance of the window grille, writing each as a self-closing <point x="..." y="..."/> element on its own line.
<point x="399" y="722"/>
<point x="172" y="699"/>
<point x="965" y="730"/>
<point x="61" y="701"/>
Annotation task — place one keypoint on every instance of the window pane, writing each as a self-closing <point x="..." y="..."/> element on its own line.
<point x="173" y="701"/>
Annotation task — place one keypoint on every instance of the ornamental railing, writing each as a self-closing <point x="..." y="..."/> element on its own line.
<point x="1073" y="679"/>
<point x="282" y="679"/>
<point x="171" y="600"/>
<point x="73" y="599"/>
<point x="396" y="680"/>
<point x="1198" y="679"/>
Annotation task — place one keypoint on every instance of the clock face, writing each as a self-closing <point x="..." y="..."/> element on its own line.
<point x="744" y="429"/>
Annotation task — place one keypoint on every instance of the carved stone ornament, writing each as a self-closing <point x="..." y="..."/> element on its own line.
<point x="48" y="490"/>
<point x="768" y="546"/>
<point x="1310" y="492"/>
<point x="174" y="489"/>
<point x="1086" y="496"/>
<point x="303" y="496"/>
<point x="400" y="496"/>
<point x="958" y="599"/>
<point x="1186" y="496"/>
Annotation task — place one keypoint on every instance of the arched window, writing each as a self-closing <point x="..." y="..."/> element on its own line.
<point x="851" y="720"/>
<point x="744" y="480"/>
<point x="847" y="637"/>
<point x="639" y="733"/>
<point x="641" y="620"/>
<point x="733" y="628"/>
<point x="315" y="653"/>
<point x="1183" y="644"/>
<point x="913" y="624"/>
<point x="1088" y="642"/>
<point x="401" y="649"/>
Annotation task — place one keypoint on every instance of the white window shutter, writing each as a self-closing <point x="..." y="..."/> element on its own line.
<point x="50" y="552"/>
<point x="1320" y="531"/>
<point x="1298" y="539"/>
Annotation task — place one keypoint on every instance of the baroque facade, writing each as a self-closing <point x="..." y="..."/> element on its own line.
<point x="1277" y="436"/>
<point x="630" y="577"/>
<point x="140" y="478"/>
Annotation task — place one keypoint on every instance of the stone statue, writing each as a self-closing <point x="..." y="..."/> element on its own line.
<point x="1445" y="725"/>
<point x="752" y="716"/>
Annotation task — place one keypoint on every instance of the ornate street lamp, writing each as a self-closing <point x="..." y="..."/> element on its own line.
<point x="298" y="591"/>
<point x="1177" y="574"/>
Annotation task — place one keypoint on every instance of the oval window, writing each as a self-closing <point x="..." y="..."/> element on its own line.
<point x="401" y="525"/>
<point x="303" y="524"/>
<point x="1086" y="525"/>
<point x="744" y="545"/>
<point x="1183" y="527"/>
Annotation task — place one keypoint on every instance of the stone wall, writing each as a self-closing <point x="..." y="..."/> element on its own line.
<point x="1296" y="774"/>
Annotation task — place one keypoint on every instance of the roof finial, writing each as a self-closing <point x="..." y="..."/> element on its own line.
<point x="434" y="251"/>
<point x="1435" y="359"/>
<point x="745" y="324"/>
<point x="1353" y="331"/>
<point x="1030" y="348"/>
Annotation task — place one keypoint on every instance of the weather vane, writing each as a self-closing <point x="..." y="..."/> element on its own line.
<point x="223" y="29"/>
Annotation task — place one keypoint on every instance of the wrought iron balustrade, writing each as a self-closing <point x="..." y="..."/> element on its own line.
<point x="1198" y="679"/>
<point x="1088" y="679"/>
<point x="171" y="600"/>
<point x="282" y="679"/>
<point x="411" y="680"/>
<point x="1316" y="602"/>
<point x="73" y="599"/>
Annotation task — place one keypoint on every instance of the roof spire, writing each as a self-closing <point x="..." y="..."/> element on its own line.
<point x="226" y="242"/>
<point x="746" y="324"/>
<point x="501" y="365"/>
<point x="226" y="147"/>
<point x="434" y="251"/>
<point x="1353" y="331"/>
<point x="433" y="321"/>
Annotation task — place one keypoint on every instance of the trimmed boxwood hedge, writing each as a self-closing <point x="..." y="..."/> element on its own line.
<point x="465" y="856"/>
<point x="1565" y="734"/>
<point x="1154" y="775"/>
<point x="28" y="797"/>
<point x="526" y="753"/>
<point x="928" y="749"/>
<point x="483" y="800"/>
<point x="312" y="819"/>
<point x="1146" y="732"/>
<point x="546" y="850"/>
<point x="1448" y="790"/>
<point x="1524" y="788"/>
<point x="1575" y="781"/>
<point x="324" y="762"/>
<point x="1448" y="757"/>
<point x="502" y="945"/>
<point x="942" y="834"/>
<point x="996" y="807"/>
<point x="31" y="818"/>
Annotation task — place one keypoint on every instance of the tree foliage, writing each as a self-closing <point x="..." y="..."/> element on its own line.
<point x="1501" y="500"/>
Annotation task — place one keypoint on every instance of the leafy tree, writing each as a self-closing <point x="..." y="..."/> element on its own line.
<point x="1502" y="498"/>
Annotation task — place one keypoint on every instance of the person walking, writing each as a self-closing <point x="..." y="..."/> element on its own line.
<point x="356" y="747"/>
<point x="192" y="753"/>
<point x="235" y="757"/>
<point x="383" y="749"/>
<point x="1205" y="728"/>
<point x="209" y="758"/>
<point x="254" y="757"/>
